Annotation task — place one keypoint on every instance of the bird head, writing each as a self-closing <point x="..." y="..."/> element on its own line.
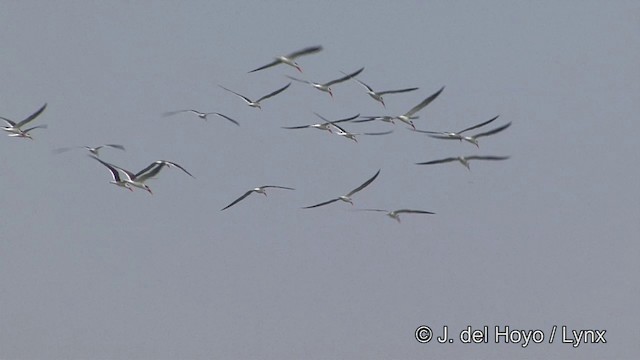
<point x="146" y="187"/>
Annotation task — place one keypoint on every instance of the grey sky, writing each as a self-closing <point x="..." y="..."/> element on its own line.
<point x="549" y="237"/>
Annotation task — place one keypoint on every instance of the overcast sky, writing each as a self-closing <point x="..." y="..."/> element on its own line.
<point x="549" y="237"/>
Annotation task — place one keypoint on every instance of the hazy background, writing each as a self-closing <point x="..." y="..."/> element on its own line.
<point x="549" y="237"/>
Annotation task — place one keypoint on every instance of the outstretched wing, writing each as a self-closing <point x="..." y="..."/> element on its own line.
<point x="494" y="131"/>
<point x="273" y="63"/>
<point x="478" y="157"/>
<point x="32" y="116"/>
<point x="409" y="211"/>
<point x="226" y="117"/>
<point x="440" y="161"/>
<point x="306" y="51"/>
<point x="235" y="93"/>
<point x="321" y="204"/>
<point x="479" y="125"/>
<point x="397" y="91"/>
<point x="237" y="200"/>
<point x="344" y="78"/>
<point x="364" y="185"/>
<point x="424" y="103"/>
<point x="274" y="93"/>
<point x="277" y="187"/>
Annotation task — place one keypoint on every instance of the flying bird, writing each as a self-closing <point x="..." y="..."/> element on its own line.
<point x="473" y="139"/>
<point x="408" y="116"/>
<point x="395" y="214"/>
<point x="326" y="87"/>
<point x="138" y="179"/>
<point x="352" y="136"/>
<point x="92" y="150"/>
<point x="258" y="190"/>
<point x="464" y="160"/>
<point x="290" y="59"/>
<point x="377" y="95"/>
<point x="15" y="129"/>
<point x="326" y="125"/>
<point x="201" y="115"/>
<point x="256" y="104"/>
<point x="347" y="197"/>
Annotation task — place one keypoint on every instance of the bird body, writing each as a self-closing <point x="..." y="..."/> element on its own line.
<point x="15" y="128"/>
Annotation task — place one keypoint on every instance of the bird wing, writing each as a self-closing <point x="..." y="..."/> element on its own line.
<point x="9" y="122"/>
<point x="240" y="95"/>
<point x="171" y="113"/>
<point x="345" y="119"/>
<point x="115" y="146"/>
<point x="296" y="127"/>
<point x="479" y="125"/>
<point x="338" y="127"/>
<point x="114" y="171"/>
<point x="440" y="161"/>
<point x="447" y="136"/>
<point x="32" y="116"/>
<point x="226" y="117"/>
<point x="424" y="103"/>
<point x="35" y="127"/>
<point x="361" y="83"/>
<point x="274" y="93"/>
<point x="397" y="91"/>
<point x="298" y="80"/>
<point x="364" y="184"/>
<point x="276" y="187"/>
<point x="409" y="211"/>
<point x="153" y="165"/>
<point x="61" y="150"/>
<point x="273" y="63"/>
<point x="494" y="131"/>
<point x="428" y="132"/>
<point x="172" y="164"/>
<point x="306" y="51"/>
<point x="321" y="117"/>
<point x="344" y="78"/>
<point x="237" y="200"/>
<point x="378" y="133"/>
<point x="368" y="118"/>
<point x="322" y="203"/>
<point x="489" y="157"/>
<point x="336" y="121"/>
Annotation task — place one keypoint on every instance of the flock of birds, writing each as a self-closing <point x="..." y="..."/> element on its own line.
<point x="127" y="179"/>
